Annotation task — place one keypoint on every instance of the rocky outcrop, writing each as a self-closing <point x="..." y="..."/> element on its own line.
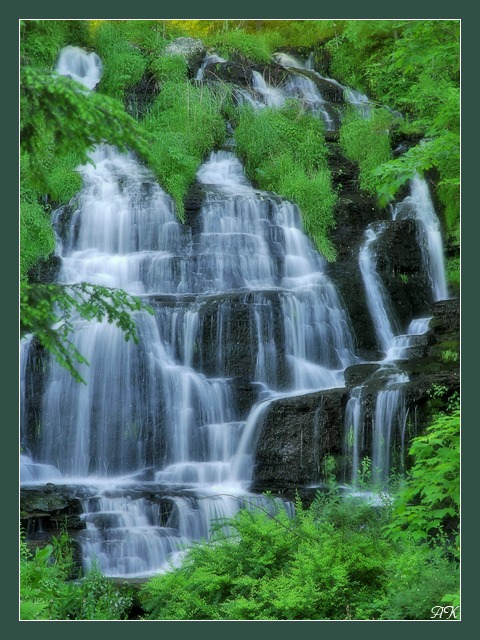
<point x="353" y="212"/>
<point x="296" y="435"/>
<point x="400" y="266"/>
<point x="191" y="49"/>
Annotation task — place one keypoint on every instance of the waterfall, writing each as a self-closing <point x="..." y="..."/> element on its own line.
<point x="168" y="404"/>
<point x="162" y="437"/>
<point x="378" y="300"/>
<point x="76" y="63"/>
<point x="390" y="421"/>
<point x="209" y="59"/>
<point x="419" y="206"/>
<point x="272" y="96"/>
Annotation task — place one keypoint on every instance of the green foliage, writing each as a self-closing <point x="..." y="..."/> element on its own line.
<point x="330" y="562"/>
<point x="100" y="599"/>
<point x="36" y="235"/>
<point x="184" y="123"/>
<point x="41" y="40"/>
<point x="413" y="66"/>
<point x="170" y="69"/>
<point x="48" y="310"/>
<point x="284" y="151"/>
<point x="47" y="591"/>
<point x="367" y="142"/>
<point x="453" y="272"/>
<point x="255" y="47"/>
<point x="123" y="64"/>
<point x="429" y="505"/>
<point x="76" y="119"/>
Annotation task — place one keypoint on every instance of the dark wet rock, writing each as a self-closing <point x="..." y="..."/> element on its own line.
<point x="357" y="374"/>
<point x="193" y="205"/>
<point x="353" y="212"/>
<point x="445" y="322"/>
<point x="400" y="266"/>
<point x="296" y="434"/>
<point x="37" y="366"/>
<point x="46" y="270"/>
<point x="47" y="511"/>
<point x="140" y="96"/>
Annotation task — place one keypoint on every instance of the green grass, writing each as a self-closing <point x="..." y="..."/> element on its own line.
<point x="183" y="124"/>
<point x="366" y="141"/>
<point x="123" y="64"/>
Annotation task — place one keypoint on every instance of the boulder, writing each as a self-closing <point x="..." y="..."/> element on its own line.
<point x="296" y="435"/>
<point x="191" y="49"/>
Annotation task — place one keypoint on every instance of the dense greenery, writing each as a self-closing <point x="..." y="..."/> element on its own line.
<point x="340" y="559"/>
<point x="367" y="142"/>
<point x="284" y="151"/>
<point x="412" y="66"/>
<point x="49" y="591"/>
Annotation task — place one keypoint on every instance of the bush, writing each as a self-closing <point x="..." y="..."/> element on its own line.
<point x="428" y="507"/>
<point x="367" y="142"/>
<point x="256" y="47"/>
<point x="47" y="591"/>
<point x="123" y="64"/>
<point x="330" y="562"/>
<point x="184" y="123"/>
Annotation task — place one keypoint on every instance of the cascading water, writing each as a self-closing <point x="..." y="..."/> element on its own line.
<point x="419" y="206"/>
<point x="390" y="413"/>
<point x="159" y="437"/>
<point x="76" y="63"/>
<point x="272" y="96"/>
<point x="378" y="301"/>
<point x="163" y="414"/>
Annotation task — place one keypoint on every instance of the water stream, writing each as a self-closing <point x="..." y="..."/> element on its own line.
<point x="160" y="436"/>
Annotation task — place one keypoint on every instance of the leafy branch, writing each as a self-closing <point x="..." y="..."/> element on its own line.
<point x="49" y="310"/>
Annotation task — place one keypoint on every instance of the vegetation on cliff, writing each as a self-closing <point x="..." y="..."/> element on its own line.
<point x="339" y="559"/>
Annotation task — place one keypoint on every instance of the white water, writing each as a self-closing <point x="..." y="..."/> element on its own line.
<point x="419" y="205"/>
<point x="166" y="410"/>
<point x="76" y="63"/>
<point x="401" y="344"/>
<point x="390" y="420"/>
<point x="209" y="59"/>
<point x="272" y="96"/>
<point x="390" y="413"/>
<point x="377" y="296"/>
<point x="158" y="406"/>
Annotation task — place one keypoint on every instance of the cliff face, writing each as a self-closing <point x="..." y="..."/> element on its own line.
<point x="298" y="434"/>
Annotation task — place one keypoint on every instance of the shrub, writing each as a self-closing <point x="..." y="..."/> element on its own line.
<point x="330" y="562"/>
<point x="184" y="123"/>
<point x="47" y="591"/>
<point x="256" y="47"/>
<point x="428" y="507"/>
